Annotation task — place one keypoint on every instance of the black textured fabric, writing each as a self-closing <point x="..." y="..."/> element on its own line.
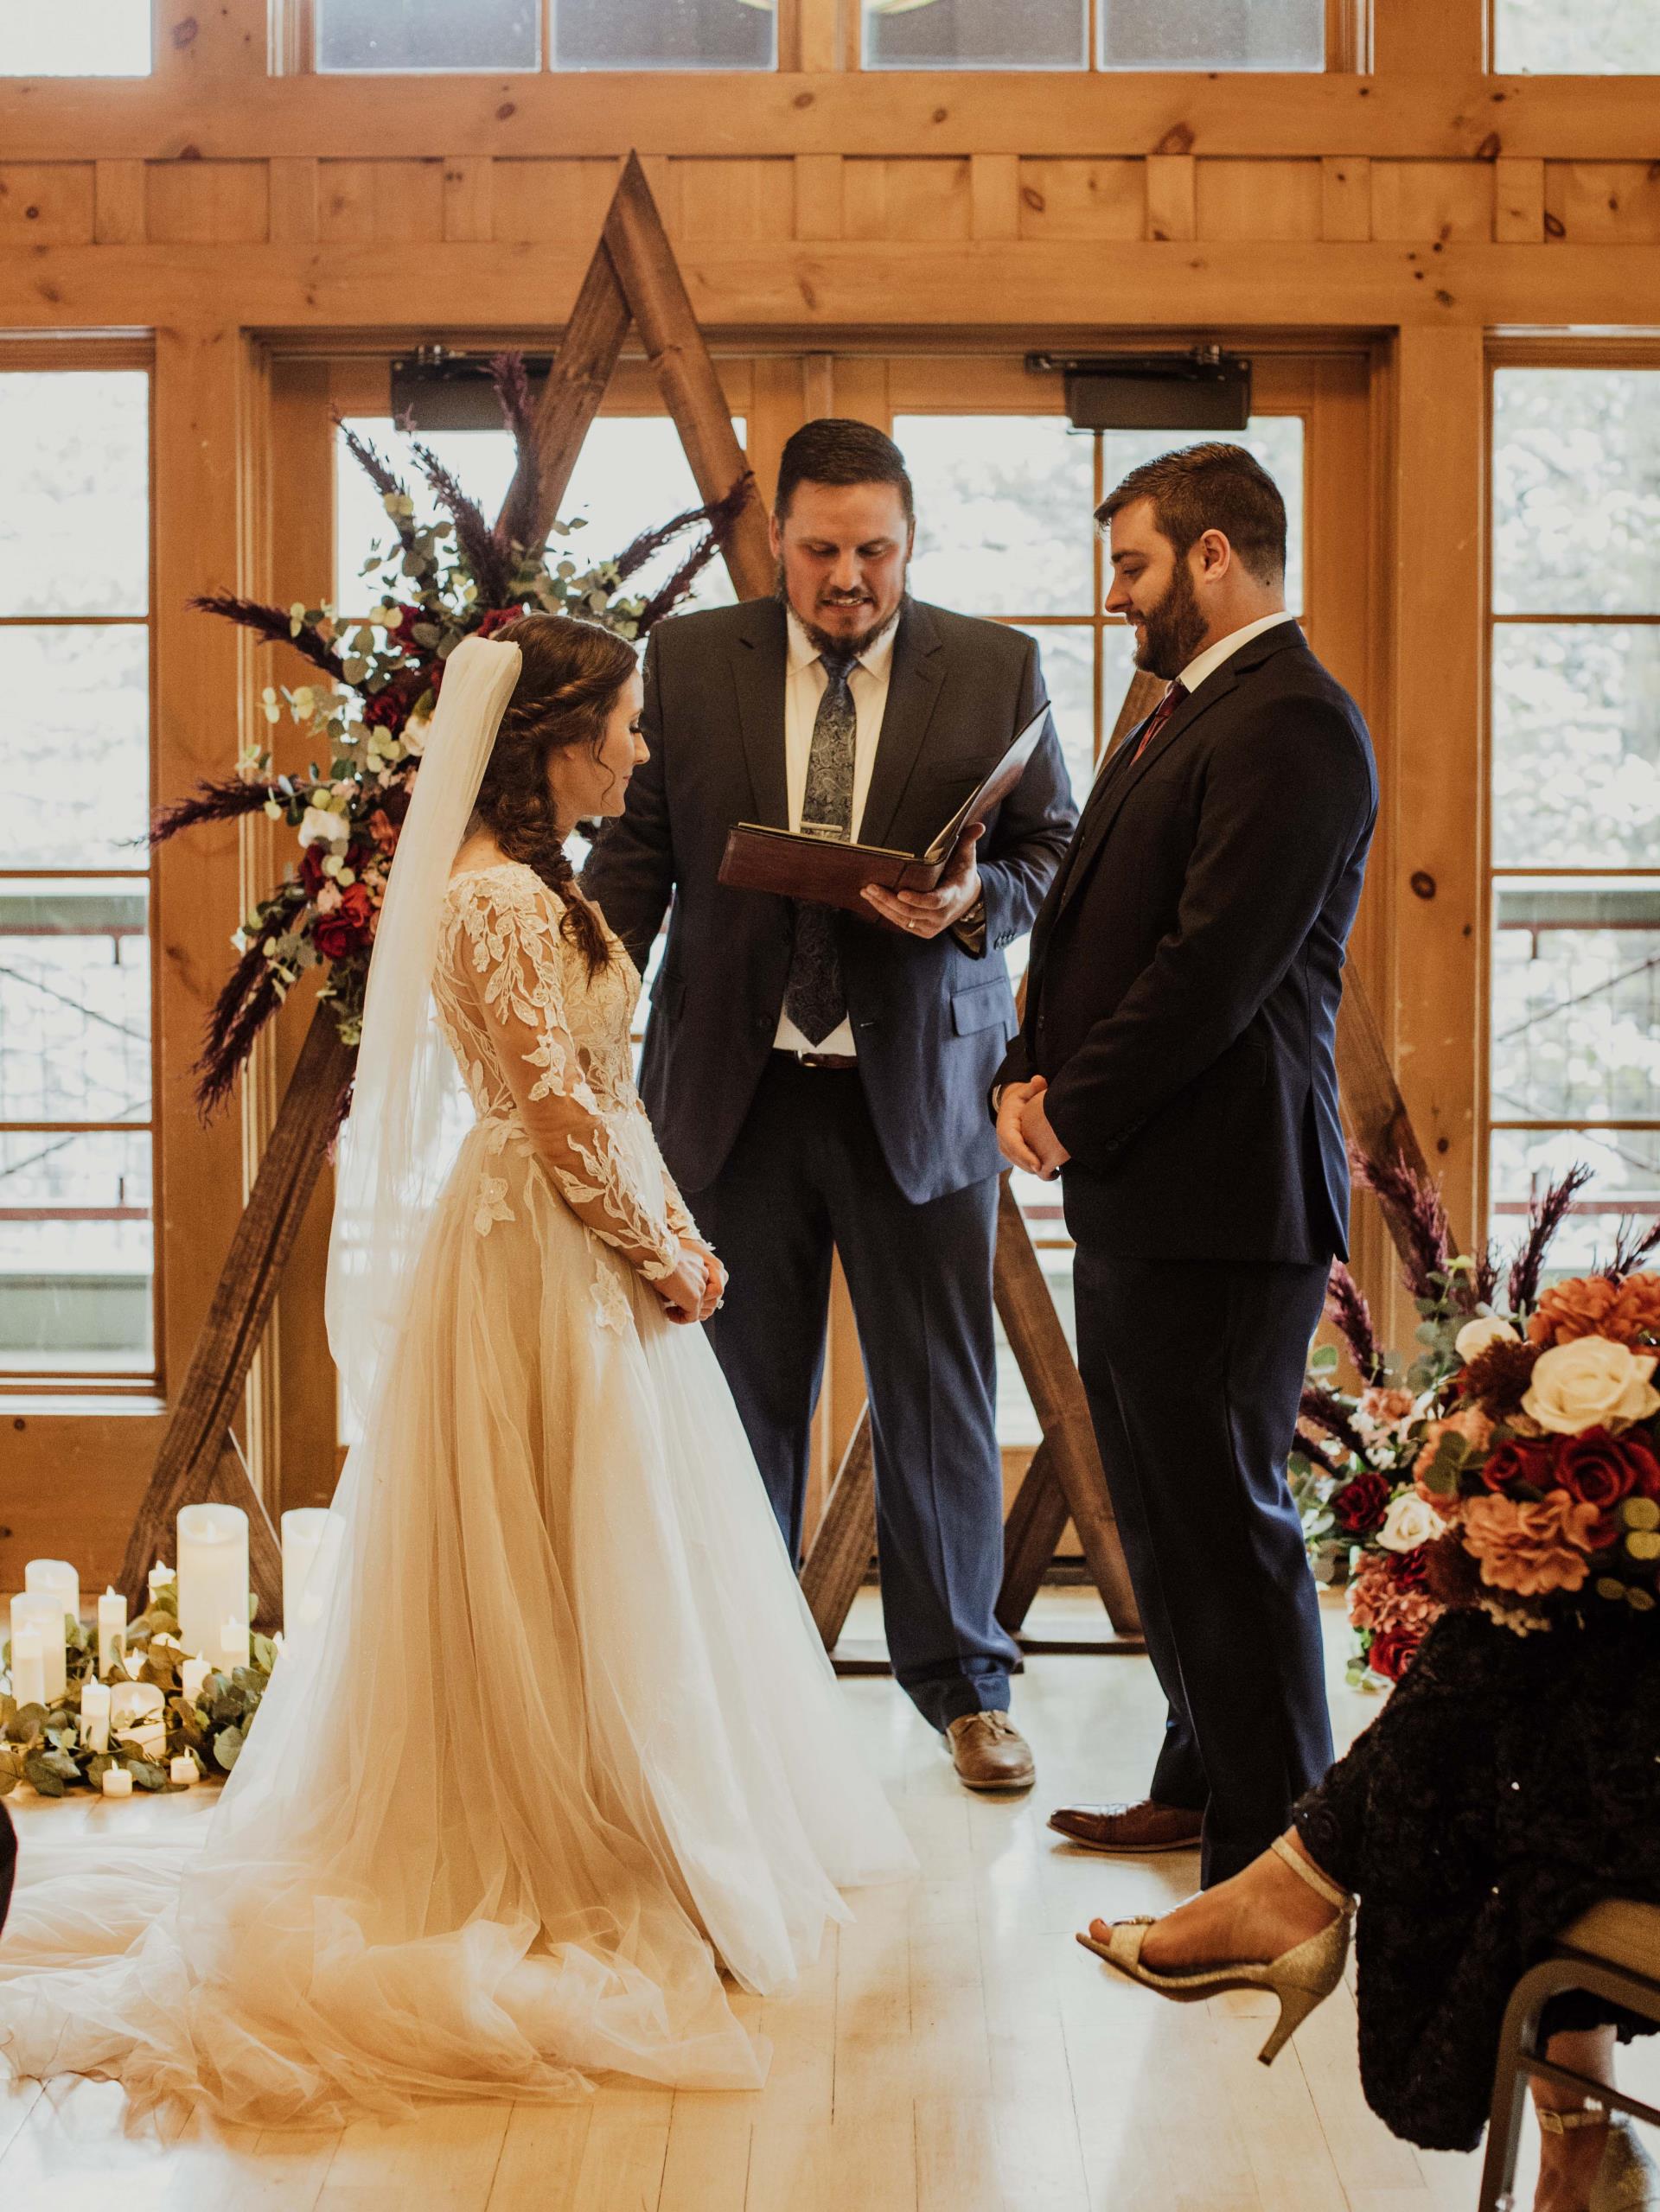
<point x="1509" y="1783"/>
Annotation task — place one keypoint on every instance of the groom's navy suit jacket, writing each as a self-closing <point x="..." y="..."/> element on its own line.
<point x="1187" y="967"/>
<point x="931" y="1020"/>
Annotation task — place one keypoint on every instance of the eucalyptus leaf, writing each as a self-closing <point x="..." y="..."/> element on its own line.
<point x="228" y="1747"/>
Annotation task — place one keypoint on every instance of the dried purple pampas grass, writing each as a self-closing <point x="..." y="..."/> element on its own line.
<point x="1417" y="1218"/>
<point x="276" y="626"/>
<point x="225" y="801"/>
<point x="1351" y="1315"/>
<point x="1547" y="1211"/>
<point x="1323" y="1410"/>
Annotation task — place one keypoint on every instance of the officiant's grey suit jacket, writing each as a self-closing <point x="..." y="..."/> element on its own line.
<point x="931" y="1019"/>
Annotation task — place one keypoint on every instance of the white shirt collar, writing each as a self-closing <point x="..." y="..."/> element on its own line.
<point x="1207" y="663"/>
<point x="876" y="659"/>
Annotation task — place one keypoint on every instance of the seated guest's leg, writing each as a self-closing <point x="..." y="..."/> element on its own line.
<point x="1569" y="2156"/>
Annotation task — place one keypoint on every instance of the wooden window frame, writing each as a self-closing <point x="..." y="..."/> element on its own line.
<point x="68" y="356"/>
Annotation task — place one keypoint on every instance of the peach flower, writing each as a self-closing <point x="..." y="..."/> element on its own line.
<point x="1534" y="1549"/>
<point x="1576" y="1308"/>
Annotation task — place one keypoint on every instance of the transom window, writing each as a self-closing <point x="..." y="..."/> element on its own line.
<point x="76" y="1137"/>
<point x="1593" y="38"/>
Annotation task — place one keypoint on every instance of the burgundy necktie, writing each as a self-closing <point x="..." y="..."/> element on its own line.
<point x="1159" y="716"/>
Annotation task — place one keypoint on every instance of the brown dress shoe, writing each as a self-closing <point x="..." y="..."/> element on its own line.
<point x="1132" y="1830"/>
<point x="989" y="1752"/>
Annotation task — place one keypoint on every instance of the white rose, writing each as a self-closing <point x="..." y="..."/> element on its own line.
<point x="1473" y="1339"/>
<point x="1411" y="1521"/>
<point x="321" y="826"/>
<point x="1591" y="1384"/>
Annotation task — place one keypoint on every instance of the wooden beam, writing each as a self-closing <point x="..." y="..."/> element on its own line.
<point x="575" y="383"/>
<point x="1436" y="109"/>
<point x="1031" y="1535"/>
<point x="846" y="1539"/>
<point x="193" y="1460"/>
<point x="650" y="278"/>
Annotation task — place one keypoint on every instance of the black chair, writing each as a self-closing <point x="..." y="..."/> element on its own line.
<point x="1613" y="1951"/>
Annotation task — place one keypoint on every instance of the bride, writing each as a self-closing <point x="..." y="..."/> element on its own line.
<point x="560" y="1741"/>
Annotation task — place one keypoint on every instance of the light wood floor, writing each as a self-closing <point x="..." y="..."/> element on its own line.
<point x="953" y="2051"/>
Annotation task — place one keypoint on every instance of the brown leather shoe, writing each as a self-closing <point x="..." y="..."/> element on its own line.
<point x="989" y="1752"/>
<point x="1132" y="1830"/>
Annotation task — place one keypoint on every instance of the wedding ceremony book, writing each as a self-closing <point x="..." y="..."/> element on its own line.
<point x="828" y="872"/>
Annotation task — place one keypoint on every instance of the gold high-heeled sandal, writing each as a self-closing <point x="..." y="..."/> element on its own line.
<point x="1627" y="2180"/>
<point x="1300" y="1978"/>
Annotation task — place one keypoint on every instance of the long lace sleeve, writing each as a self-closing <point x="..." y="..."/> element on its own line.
<point x="513" y="928"/>
<point x="680" y="1214"/>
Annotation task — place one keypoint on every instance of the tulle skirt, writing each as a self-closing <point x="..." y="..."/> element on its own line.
<point x="559" y="1743"/>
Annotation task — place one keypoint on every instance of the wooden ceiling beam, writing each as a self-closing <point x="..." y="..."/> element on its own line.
<point x="1429" y="116"/>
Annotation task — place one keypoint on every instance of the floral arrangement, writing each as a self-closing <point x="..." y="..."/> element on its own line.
<point x="48" y="1745"/>
<point x="378" y="682"/>
<point x="1514" y="1465"/>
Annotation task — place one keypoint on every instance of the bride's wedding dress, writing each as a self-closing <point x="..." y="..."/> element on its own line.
<point x="563" y="1737"/>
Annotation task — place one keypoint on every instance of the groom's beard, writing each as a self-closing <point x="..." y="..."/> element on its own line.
<point x="1173" y="631"/>
<point x="856" y="642"/>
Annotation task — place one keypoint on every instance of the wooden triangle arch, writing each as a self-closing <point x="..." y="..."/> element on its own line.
<point x="633" y="278"/>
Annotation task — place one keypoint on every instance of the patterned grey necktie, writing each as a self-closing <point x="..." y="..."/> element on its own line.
<point x="813" y="998"/>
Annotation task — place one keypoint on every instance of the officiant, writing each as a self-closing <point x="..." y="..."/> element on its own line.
<point x="817" y="1080"/>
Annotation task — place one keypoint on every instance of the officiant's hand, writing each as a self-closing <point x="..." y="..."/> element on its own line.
<point x="683" y="1292"/>
<point x="925" y="914"/>
<point x="1024" y="1135"/>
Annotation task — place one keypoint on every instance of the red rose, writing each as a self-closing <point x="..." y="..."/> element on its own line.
<point x="497" y="619"/>
<point x="1600" y="1470"/>
<point x="347" y="929"/>
<point x="1359" y="1508"/>
<point x="1411" y="1568"/>
<point x="1526" y="1460"/>
<point x="387" y="709"/>
<point x="311" y="875"/>
<point x="1393" y="1651"/>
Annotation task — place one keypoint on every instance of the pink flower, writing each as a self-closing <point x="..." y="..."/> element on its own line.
<point x="1534" y="1548"/>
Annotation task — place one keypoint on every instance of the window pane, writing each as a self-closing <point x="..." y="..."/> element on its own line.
<point x="428" y="35"/>
<point x="1213" y="33"/>
<point x="74" y="1228"/>
<point x="1004" y="506"/>
<point x="92" y="38"/>
<point x="633" y="474"/>
<point x="1576" y="491"/>
<point x="976" y="34"/>
<point x="1576" y="1000"/>
<point x="74" y="1002"/>
<point x="74" y="492"/>
<point x="664" y="34"/>
<point x="1576" y="745"/>
<point x="1626" y="1166"/>
<point x="1068" y="659"/>
<point x="1594" y="38"/>
<point x="74" y="748"/>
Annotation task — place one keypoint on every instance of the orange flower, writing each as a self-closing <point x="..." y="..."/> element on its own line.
<point x="1579" y="1307"/>
<point x="1534" y="1548"/>
<point x="1636" y="1315"/>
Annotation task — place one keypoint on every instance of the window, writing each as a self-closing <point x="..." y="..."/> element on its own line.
<point x="1005" y="528"/>
<point x="491" y="34"/>
<point x="92" y="38"/>
<point x="1575" y="1049"/>
<point x="76" y="1263"/>
<point x="1597" y="38"/>
<point x="1131" y="33"/>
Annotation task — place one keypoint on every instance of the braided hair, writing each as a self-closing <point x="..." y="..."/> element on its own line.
<point x="572" y="671"/>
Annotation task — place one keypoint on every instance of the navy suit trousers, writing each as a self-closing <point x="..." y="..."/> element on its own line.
<point x="806" y="1176"/>
<point x="1194" y="1372"/>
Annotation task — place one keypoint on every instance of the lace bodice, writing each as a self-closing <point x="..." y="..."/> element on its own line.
<point x="544" y="1049"/>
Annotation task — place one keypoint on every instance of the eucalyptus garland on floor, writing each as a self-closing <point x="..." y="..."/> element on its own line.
<point x="44" y="1744"/>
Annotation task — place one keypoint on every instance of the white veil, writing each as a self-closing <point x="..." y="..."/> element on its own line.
<point x="393" y="1152"/>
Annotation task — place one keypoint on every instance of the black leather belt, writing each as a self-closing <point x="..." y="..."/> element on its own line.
<point x="839" y="1060"/>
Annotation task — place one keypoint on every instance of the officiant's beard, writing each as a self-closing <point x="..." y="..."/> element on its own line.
<point x="855" y="642"/>
<point x="1173" y="632"/>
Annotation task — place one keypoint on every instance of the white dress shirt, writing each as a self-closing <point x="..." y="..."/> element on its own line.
<point x="1207" y="663"/>
<point x="804" y="686"/>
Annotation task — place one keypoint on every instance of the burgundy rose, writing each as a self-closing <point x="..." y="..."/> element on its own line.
<point x="1359" y="1508"/>
<point x="387" y="709"/>
<point x="347" y="929"/>
<point x="1600" y="1470"/>
<point x="1525" y="1460"/>
<point x="497" y="619"/>
<point x="1393" y="1651"/>
<point x="1411" y="1568"/>
<point x="311" y="875"/>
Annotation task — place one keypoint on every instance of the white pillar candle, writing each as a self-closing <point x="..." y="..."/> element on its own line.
<point x="112" y="1631"/>
<point x="118" y="1782"/>
<point x="28" y="1667"/>
<point x="39" y="1610"/>
<point x="192" y="1675"/>
<point x="137" y="1711"/>
<point x="233" y="1644"/>
<point x="183" y="1769"/>
<point x="95" y="1716"/>
<point x="303" y="1531"/>
<point x="56" y="1578"/>
<point x="212" y="1572"/>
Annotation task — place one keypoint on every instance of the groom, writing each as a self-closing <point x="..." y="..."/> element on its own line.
<point x="818" y="1081"/>
<point x="1177" y="1068"/>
